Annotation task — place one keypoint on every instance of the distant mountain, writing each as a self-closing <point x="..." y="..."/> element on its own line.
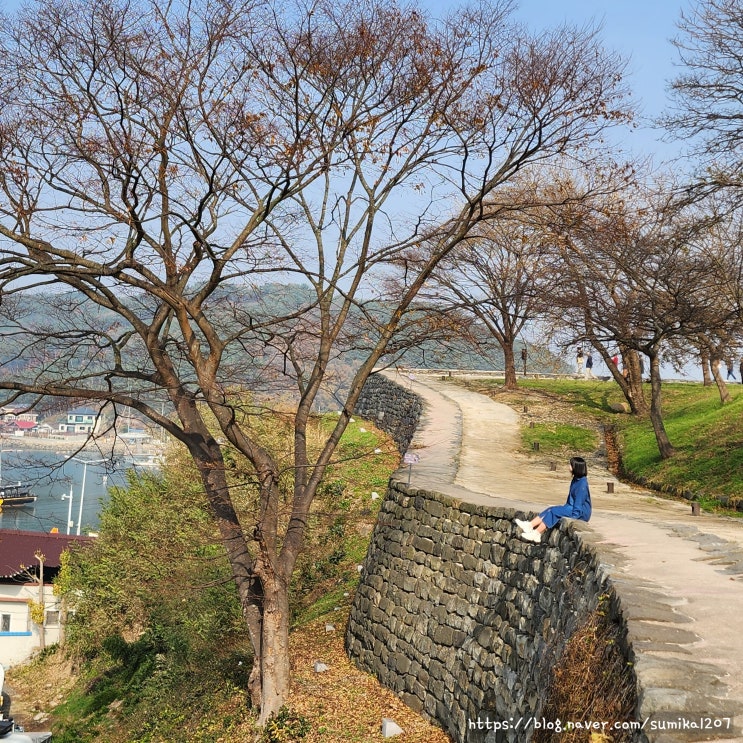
<point x="233" y="307"/>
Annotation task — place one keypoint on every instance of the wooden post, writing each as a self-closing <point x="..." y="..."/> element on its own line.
<point x="535" y="445"/>
<point x="609" y="487"/>
<point x="695" y="508"/>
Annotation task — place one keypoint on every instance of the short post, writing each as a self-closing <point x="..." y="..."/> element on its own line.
<point x="410" y="458"/>
<point x="553" y="466"/>
<point x="535" y="445"/>
<point x="531" y="424"/>
<point x="695" y="508"/>
<point x="609" y="487"/>
<point x="526" y="409"/>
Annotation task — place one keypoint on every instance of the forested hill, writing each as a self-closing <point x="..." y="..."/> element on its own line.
<point x="66" y="314"/>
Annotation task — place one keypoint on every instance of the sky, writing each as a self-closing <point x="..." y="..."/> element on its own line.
<point x="640" y="31"/>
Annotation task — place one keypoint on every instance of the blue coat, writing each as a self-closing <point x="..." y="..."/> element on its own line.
<point x="578" y="505"/>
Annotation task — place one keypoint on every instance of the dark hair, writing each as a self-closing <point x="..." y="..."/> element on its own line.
<point x="579" y="467"/>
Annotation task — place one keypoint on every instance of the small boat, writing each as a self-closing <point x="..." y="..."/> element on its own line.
<point x="15" y="495"/>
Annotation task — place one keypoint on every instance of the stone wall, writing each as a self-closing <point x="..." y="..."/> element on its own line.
<point x="454" y="612"/>
<point x="461" y="618"/>
<point x="391" y="407"/>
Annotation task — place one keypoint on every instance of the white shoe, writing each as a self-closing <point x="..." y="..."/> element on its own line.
<point x="523" y="525"/>
<point x="531" y="536"/>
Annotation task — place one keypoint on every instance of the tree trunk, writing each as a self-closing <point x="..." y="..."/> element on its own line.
<point x="633" y="376"/>
<point x="656" y="412"/>
<point x="274" y="648"/>
<point x="720" y="382"/>
<point x="42" y="628"/>
<point x="510" y="366"/>
<point x="631" y="389"/>
<point x="706" y="378"/>
<point x="632" y="394"/>
<point x="208" y="458"/>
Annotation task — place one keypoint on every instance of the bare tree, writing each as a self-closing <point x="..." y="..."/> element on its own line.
<point x="166" y="166"/>
<point x="708" y="109"/>
<point x="502" y="273"/>
<point x="635" y="280"/>
<point x="722" y="246"/>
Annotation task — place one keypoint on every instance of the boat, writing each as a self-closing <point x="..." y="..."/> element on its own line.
<point x="15" y="495"/>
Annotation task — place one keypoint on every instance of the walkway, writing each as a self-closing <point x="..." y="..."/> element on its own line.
<point x="679" y="577"/>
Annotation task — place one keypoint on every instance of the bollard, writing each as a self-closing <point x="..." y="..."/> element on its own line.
<point x="553" y="466"/>
<point x="526" y="410"/>
<point x="531" y="424"/>
<point x="609" y="487"/>
<point x="535" y="445"/>
<point x="695" y="509"/>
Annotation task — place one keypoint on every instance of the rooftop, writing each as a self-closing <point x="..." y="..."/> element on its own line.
<point x="18" y="549"/>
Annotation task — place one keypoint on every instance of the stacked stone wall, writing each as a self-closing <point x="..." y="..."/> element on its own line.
<point x="461" y="618"/>
<point x="455" y="613"/>
<point x="391" y="407"/>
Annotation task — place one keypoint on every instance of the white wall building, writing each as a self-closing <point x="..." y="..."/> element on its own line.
<point x="20" y="591"/>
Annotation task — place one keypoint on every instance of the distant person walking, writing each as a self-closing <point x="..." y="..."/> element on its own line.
<point x="731" y="372"/>
<point x="579" y="361"/>
<point x="577" y="506"/>
<point x="589" y="367"/>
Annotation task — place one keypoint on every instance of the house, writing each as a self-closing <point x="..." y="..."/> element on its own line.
<point x="80" y="420"/>
<point x="21" y="428"/>
<point x="21" y="592"/>
<point x="12" y="415"/>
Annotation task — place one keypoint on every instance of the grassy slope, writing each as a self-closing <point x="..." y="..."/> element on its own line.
<point x="342" y="704"/>
<point x="707" y="436"/>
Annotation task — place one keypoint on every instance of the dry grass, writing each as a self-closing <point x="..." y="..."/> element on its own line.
<point x="37" y="687"/>
<point x="591" y="681"/>
<point x="344" y="703"/>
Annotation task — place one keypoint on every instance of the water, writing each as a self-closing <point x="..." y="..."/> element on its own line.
<point x="50" y="477"/>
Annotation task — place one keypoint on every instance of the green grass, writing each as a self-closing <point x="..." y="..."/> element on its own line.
<point x="557" y="438"/>
<point x="706" y="435"/>
<point x="588" y="398"/>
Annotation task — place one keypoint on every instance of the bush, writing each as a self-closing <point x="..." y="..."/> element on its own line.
<point x="285" y="727"/>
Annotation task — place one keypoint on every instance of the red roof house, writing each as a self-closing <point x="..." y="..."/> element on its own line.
<point x="20" y="634"/>
<point x="18" y="552"/>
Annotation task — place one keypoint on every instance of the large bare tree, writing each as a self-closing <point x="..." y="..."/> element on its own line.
<point x="708" y="107"/>
<point x="636" y="278"/>
<point x="167" y="168"/>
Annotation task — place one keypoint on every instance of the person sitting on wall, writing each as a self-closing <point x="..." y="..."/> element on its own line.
<point x="578" y="505"/>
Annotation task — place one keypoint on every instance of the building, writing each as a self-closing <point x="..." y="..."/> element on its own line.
<point x="22" y="593"/>
<point x="11" y="415"/>
<point x="80" y="420"/>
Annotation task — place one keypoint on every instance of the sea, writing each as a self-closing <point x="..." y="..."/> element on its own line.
<point x="69" y="492"/>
